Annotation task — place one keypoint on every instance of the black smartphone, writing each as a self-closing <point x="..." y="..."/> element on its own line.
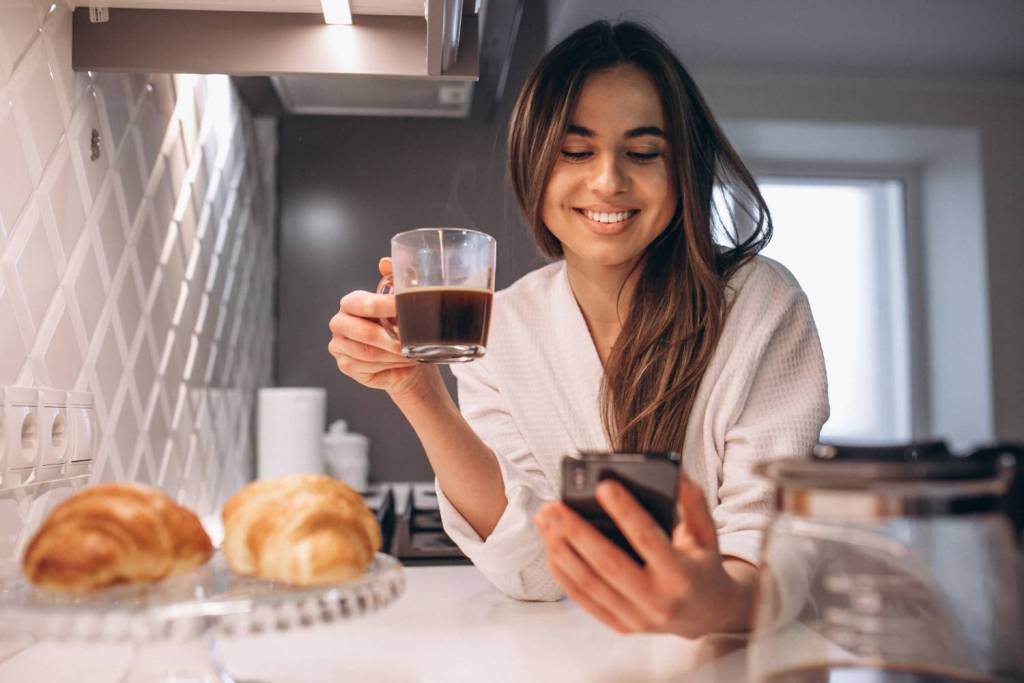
<point x="652" y="478"/>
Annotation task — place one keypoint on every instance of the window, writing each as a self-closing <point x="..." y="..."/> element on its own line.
<point x="844" y="241"/>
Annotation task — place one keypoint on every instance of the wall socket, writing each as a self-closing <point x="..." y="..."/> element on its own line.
<point x="45" y="435"/>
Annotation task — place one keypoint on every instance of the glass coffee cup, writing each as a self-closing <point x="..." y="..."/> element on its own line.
<point x="443" y="282"/>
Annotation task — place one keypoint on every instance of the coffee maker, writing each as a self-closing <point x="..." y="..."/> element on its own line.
<point x="892" y="563"/>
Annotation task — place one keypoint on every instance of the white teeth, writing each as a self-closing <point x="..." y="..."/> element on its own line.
<point x="602" y="217"/>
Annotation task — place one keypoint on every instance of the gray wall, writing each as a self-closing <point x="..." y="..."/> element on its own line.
<point x="346" y="185"/>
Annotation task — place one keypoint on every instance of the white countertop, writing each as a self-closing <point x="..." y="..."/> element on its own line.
<point x="450" y="626"/>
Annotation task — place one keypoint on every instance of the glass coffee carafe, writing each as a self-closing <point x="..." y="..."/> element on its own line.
<point x="889" y="570"/>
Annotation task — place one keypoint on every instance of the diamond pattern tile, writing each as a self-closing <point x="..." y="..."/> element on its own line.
<point x="152" y="123"/>
<point x="61" y="200"/>
<point x="127" y="433"/>
<point x="147" y="471"/>
<point x="70" y="84"/>
<point x="129" y="302"/>
<point x="164" y="198"/>
<point x="90" y="287"/>
<point x="17" y="180"/>
<point x="85" y="120"/>
<point x="60" y="353"/>
<point x="12" y="349"/>
<point x="10" y="522"/>
<point x="108" y="364"/>
<point x="19" y="24"/>
<point x="176" y="159"/>
<point x="107" y="223"/>
<point x="114" y="99"/>
<point x="144" y="372"/>
<point x="131" y="177"/>
<point x="30" y="258"/>
<point x="147" y="246"/>
<point x="34" y="94"/>
<point x="132" y="273"/>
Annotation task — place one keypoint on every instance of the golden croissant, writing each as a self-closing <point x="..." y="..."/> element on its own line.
<point x="301" y="529"/>
<point x="115" y="533"/>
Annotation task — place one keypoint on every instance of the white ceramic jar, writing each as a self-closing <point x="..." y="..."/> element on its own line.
<point x="347" y="455"/>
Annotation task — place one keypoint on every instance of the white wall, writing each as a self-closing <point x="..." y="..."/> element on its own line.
<point x="990" y="112"/>
<point x="144" y="275"/>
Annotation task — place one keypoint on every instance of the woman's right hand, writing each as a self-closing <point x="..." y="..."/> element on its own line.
<point x="365" y="352"/>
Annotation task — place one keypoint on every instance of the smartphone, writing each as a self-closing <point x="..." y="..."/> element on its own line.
<point x="651" y="478"/>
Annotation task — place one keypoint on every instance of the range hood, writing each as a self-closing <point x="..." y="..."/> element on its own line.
<point x="384" y="58"/>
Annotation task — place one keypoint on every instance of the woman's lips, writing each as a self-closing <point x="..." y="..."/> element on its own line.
<point x="607" y="228"/>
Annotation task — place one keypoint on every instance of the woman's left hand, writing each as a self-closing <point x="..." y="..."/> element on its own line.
<point x="685" y="586"/>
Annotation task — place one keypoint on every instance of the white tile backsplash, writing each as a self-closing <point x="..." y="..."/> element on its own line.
<point x="15" y="179"/>
<point x="30" y="258"/>
<point x="90" y="289"/>
<point x="85" y="120"/>
<point x="19" y="24"/>
<point x="130" y="177"/>
<point x="34" y="95"/>
<point x="107" y="223"/>
<point x="129" y="301"/>
<point x="147" y="246"/>
<point x="177" y="162"/>
<point x="113" y="269"/>
<point x="113" y="98"/>
<point x="70" y="84"/>
<point x="60" y="353"/>
<point x="60" y="199"/>
<point x="108" y="363"/>
<point x="12" y="349"/>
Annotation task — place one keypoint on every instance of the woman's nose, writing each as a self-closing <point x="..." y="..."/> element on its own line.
<point x="608" y="177"/>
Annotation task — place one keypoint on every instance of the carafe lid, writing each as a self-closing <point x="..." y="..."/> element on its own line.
<point x="861" y="489"/>
<point x="861" y="474"/>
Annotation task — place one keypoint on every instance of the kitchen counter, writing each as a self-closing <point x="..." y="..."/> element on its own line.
<point x="451" y="625"/>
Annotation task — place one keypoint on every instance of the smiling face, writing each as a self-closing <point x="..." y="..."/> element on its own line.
<point x="611" y="191"/>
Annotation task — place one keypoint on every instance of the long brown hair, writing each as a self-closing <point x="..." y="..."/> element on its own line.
<point x="679" y="304"/>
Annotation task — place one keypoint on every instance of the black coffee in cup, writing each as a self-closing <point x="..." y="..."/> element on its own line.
<point x="444" y="323"/>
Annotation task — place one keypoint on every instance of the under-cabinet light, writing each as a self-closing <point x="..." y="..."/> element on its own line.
<point x="336" y="11"/>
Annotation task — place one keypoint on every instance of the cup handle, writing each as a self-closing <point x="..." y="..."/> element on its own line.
<point x="390" y="325"/>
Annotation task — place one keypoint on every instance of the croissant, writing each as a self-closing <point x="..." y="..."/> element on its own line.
<point x="301" y="529"/>
<point x="115" y="533"/>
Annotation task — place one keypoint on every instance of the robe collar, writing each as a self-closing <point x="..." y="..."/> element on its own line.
<point x="582" y="369"/>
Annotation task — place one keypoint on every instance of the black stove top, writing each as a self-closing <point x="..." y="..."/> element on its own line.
<point x="410" y="523"/>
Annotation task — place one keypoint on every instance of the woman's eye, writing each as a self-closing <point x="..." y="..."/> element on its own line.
<point x="644" y="156"/>
<point x="575" y="156"/>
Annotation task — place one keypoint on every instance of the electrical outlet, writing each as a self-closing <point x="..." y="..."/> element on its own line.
<point x="21" y="431"/>
<point x="45" y="435"/>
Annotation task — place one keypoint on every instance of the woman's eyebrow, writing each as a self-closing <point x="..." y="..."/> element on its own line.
<point x="585" y="132"/>
<point x="645" y="130"/>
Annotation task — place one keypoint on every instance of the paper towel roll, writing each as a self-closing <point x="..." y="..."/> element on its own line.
<point x="291" y="424"/>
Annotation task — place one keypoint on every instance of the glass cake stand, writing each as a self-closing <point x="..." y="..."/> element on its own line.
<point x="173" y="624"/>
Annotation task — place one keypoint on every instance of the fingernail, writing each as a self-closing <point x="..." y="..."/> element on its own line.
<point x="607" y="491"/>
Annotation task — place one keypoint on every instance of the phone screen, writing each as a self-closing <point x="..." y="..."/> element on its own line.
<point x="651" y="478"/>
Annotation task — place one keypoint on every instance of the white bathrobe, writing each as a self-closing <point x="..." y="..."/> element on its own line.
<point x="534" y="398"/>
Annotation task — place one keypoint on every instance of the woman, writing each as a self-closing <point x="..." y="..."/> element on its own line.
<point x="643" y="334"/>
